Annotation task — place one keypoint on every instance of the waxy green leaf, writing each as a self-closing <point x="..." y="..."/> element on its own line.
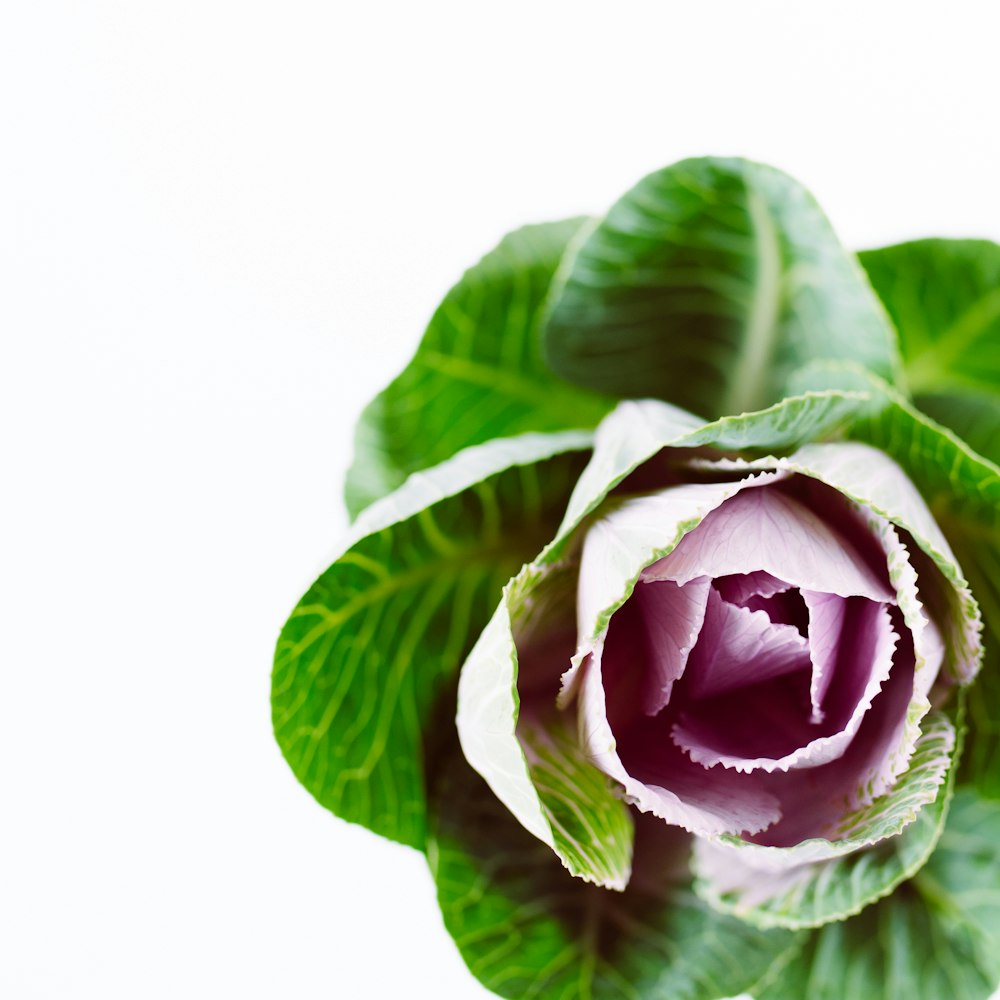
<point x="529" y="931"/>
<point x="379" y="637"/>
<point x="936" y="936"/>
<point x="477" y="373"/>
<point x="979" y="551"/>
<point x="944" y="298"/>
<point x="706" y="285"/>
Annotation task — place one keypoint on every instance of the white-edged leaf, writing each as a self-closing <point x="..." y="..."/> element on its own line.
<point x="820" y="880"/>
<point x="872" y="479"/>
<point x="962" y="490"/>
<point x="637" y="430"/>
<point x="534" y="763"/>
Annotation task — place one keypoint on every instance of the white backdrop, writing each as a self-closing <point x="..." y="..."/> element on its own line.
<point x="222" y="229"/>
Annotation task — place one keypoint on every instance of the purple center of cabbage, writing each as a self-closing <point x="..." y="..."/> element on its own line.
<point x="763" y="659"/>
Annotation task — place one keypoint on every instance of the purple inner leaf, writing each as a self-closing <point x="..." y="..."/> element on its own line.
<point x="767" y="642"/>
<point x="768" y="720"/>
<point x="772" y="724"/>
<point x="766" y="528"/>
<point x="815" y="800"/>
<point x="827" y="613"/>
<point x="786" y="608"/>
<point x="681" y="791"/>
<point x="739" y="647"/>
<point x="741" y="587"/>
<point x="672" y="616"/>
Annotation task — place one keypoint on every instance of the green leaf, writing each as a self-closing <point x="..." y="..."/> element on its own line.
<point x="789" y="887"/>
<point x="944" y="297"/>
<point x="973" y="416"/>
<point x="706" y="285"/>
<point x="379" y="636"/>
<point x="592" y="830"/>
<point x="532" y="760"/>
<point x="979" y="553"/>
<point x="477" y="374"/>
<point x="529" y="931"/>
<point x="935" y="936"/>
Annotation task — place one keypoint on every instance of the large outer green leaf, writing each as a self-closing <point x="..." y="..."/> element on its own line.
<point x="529" y="931"/>
<point x="477" y="374"/>
<point x="944" y="297"/>
<point x="706" y="285"/>
<point x="380" y="635"/>
<point x="935" y="937"/>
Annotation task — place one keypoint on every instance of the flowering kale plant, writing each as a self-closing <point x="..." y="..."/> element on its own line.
<point x="661" y="624"/>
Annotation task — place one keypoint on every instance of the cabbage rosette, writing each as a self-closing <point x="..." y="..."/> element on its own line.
<point x="755" y="652"/>
<point x="667" y="625"/>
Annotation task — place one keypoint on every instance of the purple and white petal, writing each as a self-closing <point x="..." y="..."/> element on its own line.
<point x="741" y="587"/>
<point x="826" y="622"/>
<point x="767" y="718"/>
<point x="739" y="647"/>
<point x="672" y="618"/>
<point x="629" y="536"/>
<point x="771" y="530"/>
<point x="814" y="801"/>
<point x="659" y="780"/>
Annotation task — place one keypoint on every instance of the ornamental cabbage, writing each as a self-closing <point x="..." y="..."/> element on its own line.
<point x="657" y="627"/>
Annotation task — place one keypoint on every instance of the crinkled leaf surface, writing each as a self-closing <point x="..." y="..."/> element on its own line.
<point x="935" y="936"/>
<point x="374" y="642"/>
<point x="944" y="298"/>
<point x="639" y="429"/>
<point x="529" y="931"/>
<point x="757" y="883"/>
<point x="477" y="374"/>
<point x="706" y="285"/>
